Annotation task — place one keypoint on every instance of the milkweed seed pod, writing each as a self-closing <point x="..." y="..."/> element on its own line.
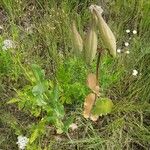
<point x="105" y="32"/>
<point x="77" y="40"/>
<point x="90" y="44"/>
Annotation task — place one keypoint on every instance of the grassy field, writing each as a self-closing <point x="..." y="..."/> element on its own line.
<point x="41" y="35"/>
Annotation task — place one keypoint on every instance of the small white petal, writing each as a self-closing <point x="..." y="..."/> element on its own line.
<point x="118" y="50"/>
<point x="22" y="142"/>
<point x="4" y="48"/>
<point x="134" y="72"/>
<point x="127" y="31"/>
<point x="1" y="27"/>
<point x="8" y="44"/>
<point x="127" y="52"/>
<point x="126" y="44"/>
<point x="134" y="32"/>
<point x="73" y="126"/>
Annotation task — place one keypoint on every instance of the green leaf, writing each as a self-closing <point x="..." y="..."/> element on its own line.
<point x="36" y="111"/>
<point x="59" y="125"/>
<point x="40" y="100"/>
<point x="13" y="100"/>
<point x="34" y="135"/>
<point x="40" y="88"/>
<point x="67" y="123"/>
<point x="38" y="131"/>
<point x="59" y="110"/>
<point x="38" y="72"/>
<point x="56" y="93"/>
<point x="103" y="106"/>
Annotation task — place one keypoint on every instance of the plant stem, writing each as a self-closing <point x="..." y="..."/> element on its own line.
<point x="97" y="74"/>
<point x="97" y="65"/>
<point x="97" y="71"/>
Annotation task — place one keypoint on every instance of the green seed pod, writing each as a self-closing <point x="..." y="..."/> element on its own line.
<point x="77" y="40"/>
<point x="105" y="32"/>
<point x="90" y="44"/>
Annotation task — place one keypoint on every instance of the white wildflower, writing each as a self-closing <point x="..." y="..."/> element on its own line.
<point x="7" y="44"/>
<point x="134" y="32"/>
<point x="1" y="27"/>
<point x="22" y="142"/>
<point x="118" y="50"/>
<point x="127" y="52"/>
<point x="29" y="30"/>
<point x="73" y="126"/>
<point x="4" y="48"/>
<point x="126" y="44"/>
<point x="127" y="31"/>
<point x="134" y="72"/>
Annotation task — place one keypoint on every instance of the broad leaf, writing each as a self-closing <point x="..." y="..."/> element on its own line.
<point x="91" y="80"/>
<point x="40" y="88"/>
<point x="88" y="104"/>
<point x="38" y="73"/>
<point x="59" y="111"/>
<point x="92" y="83"/>
<point x="40" y="101"/>
<point x="59" y="125"/>
<point x="67" y="123"/>
<point x="102" y="106"/>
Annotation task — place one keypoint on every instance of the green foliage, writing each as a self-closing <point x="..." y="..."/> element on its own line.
<point x="71" y="77"/>
<point x="38" y="130"/>
<point x="7" y="119"/>
<point x="103" y="106"/>
<point x="109" y="74"/>
<point x="42" y="97"/>
<point x="49" y="22"/>
<point x="6" y="62"/>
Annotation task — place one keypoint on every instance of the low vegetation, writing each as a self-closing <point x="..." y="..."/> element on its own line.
<point x="60" y="89"/>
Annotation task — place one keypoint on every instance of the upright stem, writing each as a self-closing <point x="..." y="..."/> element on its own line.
<point x="97" y="65"/>
<point x="97" y="74"/>
<point x="97" y="71"/>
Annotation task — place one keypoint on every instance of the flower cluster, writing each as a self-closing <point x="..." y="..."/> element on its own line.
<point x="134" y="31"/>
<point x="126" y="44"/>
<point x="134" y="72"/>
<point x="126" y="50"/>
<point x="128" y="31"/>
<point x="22" y="142"/>
<point x="7" y="44"/>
